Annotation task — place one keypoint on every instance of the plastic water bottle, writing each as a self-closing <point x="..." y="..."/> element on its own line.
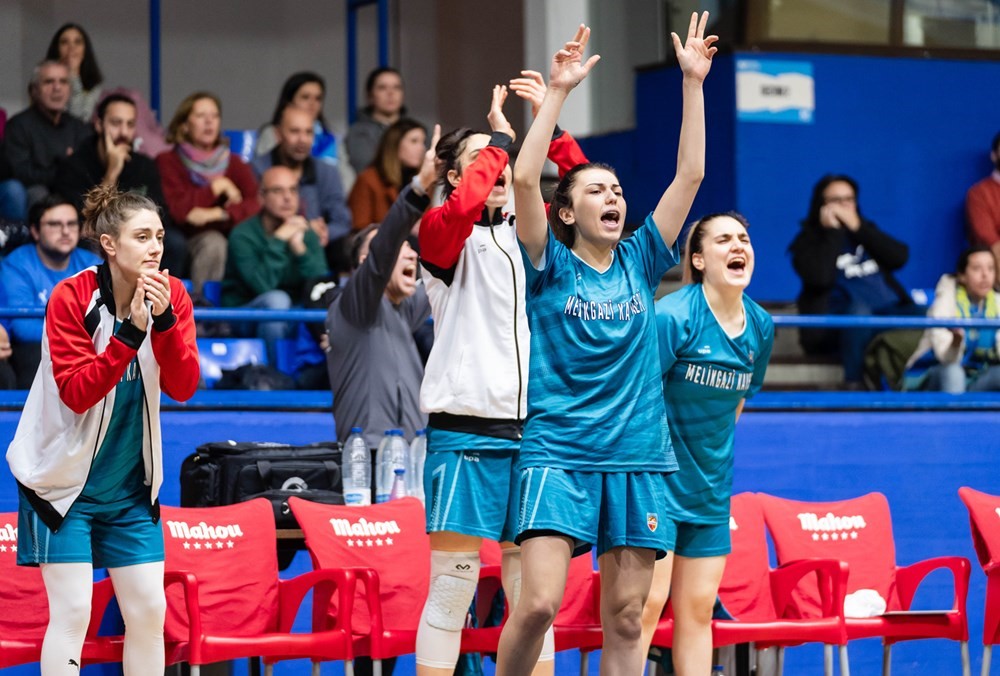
<point x="415" y="475"/>
<point x="393" y="453"/>
<point x="398" y="484"/>
<point x="357" y="470"/>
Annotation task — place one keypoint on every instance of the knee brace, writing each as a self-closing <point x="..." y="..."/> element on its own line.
<point x="454" y="576"/>
<point x="510" y="578"/>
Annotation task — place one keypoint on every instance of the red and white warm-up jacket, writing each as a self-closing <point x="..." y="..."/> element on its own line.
<point x="69" y="406"/>
<point x="476" y="375"/>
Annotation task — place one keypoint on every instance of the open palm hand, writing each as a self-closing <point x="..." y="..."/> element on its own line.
<point x="695" y="55"/>
<point x="568" y="67"/>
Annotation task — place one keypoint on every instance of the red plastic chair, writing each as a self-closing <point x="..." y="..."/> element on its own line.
<point x="578" y="622"/>
<point x="26" y="611"/>
<point x="758" y="597"/>
<point x="859" y="531"/>
<point x="387" y="547"/>
<point x="984" y="519"/>
<point x="224" y="598"/>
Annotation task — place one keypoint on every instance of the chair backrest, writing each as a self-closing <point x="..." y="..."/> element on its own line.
<point x="216" y="354"/>
<point x="746" y="585"/>
<point x="389" y="537"/>
<point x="984" y="519"/>
<point x="580" y="606"/>
<point x="22" y="596"/>
<point x="232" y="551"/>
<point x="242" y="142"/>
<point x="857" y="531"/>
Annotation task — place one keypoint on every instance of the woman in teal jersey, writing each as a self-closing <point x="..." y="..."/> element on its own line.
<point x="596" y="449"/>
<point x="714" y="347"/>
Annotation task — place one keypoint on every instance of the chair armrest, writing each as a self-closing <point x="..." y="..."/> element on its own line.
<point x="368" y="578"/>
<point x="189" y="586"/>
<point x="831" y="579"/>
<point x="324" y="581"/>
<point x="103" y="592"/>
<point x="908" y="579"/>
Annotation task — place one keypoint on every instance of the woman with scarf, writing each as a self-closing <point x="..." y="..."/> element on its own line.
<point x="208" y="190"/>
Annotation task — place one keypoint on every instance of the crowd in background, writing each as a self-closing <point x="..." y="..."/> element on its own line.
<point x="246" y="242"/>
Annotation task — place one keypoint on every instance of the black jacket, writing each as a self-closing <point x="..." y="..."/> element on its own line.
<point x="814" y="256"/>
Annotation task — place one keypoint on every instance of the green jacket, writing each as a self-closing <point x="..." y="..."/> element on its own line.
<point x="258" y="262"/>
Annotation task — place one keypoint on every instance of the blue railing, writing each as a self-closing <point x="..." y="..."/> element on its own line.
<point x="800" y="321"/>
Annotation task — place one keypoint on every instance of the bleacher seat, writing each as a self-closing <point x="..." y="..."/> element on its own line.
<point x="242" y="142"/>
<point x="212" y="292"/>
<point x="216" y="354"/>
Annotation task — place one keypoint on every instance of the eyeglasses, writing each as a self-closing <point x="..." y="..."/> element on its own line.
<point x="61" y="225"/>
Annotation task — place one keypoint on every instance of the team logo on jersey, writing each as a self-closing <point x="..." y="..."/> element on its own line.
<point x="651" y="522"/>
<point x="750" y="357"/>
<point x="705" y="349"/>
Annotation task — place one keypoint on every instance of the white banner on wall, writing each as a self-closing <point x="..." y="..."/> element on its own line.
<point x="775" y="91"/>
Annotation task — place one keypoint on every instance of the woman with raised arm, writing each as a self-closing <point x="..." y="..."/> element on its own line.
<point x="87" y="451"/>
<point x="475" y="382"/>
<point x="596" y="448"/>
<point x="715" y="344"/>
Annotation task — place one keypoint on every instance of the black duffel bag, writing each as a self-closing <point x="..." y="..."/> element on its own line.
<point x="227" y="472"/>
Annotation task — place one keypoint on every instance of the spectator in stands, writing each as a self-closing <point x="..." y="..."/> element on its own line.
<point x="982" y="206"/>
<point x="208" y="189"/>
<point x="384" y="89"/>
<point x="321" y="194"/>
<point x="967" y="359"/>
<point x="374" y="363"/>
<point x="13" y="198"/>
<point x="109" y="159"/>
<point x="399" y="155"/>
<point x="72" y="46"/>
<point x="304" y="90"/>
<point x="272" y="255"/>
<point x="37" y="138"/>
<point x="845" y="263"/>
<point x="31" y="271"/>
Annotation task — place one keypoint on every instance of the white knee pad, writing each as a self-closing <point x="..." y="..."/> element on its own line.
<point x="510" y="577"/>
<point x="454" y="576"/>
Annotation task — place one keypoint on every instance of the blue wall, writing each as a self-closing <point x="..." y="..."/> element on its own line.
<point x="917" y="459"/>
<point x="915" y="133"/>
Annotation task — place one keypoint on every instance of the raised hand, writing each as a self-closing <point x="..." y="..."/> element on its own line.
<point x="157" y="287"/>
<point x="695" y="55"/>
<point x="117" y="156"/>
<point x="568" y="68"/>
<point x="498" y="121"/>
<point x="530" y="87"/>
<point x="427" y="176"/>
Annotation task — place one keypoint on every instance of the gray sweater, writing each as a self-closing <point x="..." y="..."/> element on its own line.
<point x="375" y="368"/>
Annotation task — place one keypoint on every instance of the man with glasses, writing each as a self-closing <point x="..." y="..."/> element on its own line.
<point x="272" y="255"/>
<point x="37" y="138"/>
<point x="30" y="272"/>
